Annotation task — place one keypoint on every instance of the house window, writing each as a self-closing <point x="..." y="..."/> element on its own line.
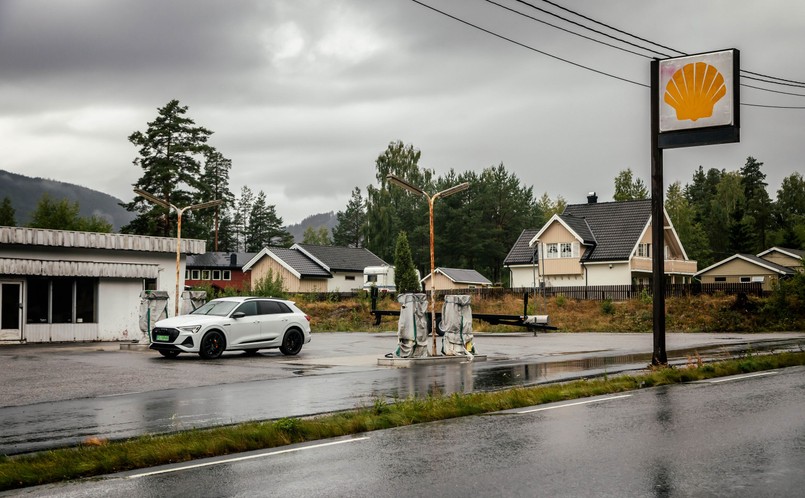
<point x="187" y="274"/>
<point x="745" y="280"/>
<point x="552" y="251"/>
<point x="205" y="274"/>
<point x="216" y="274"/>
<point x="644" y="250"/>
<point x="721" y="279"/>
<point x="61" y="300"/>
<point x="149" y="284"/>
<point x="349" y="277"/>
<point x="194" y="275"/>
<point x="227" y="275"/>
<point x="566" y="250"/>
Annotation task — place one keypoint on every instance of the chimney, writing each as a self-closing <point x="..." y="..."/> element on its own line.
<point x="592" y="198"/>
<point x="233" y="259"/>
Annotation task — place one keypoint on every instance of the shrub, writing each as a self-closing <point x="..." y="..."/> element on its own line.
<point x="607" y="307"/>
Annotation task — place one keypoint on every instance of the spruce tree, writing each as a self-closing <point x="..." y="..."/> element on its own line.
<point x="405" y="276"/>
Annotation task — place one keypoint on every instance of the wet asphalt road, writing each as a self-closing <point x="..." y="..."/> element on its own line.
<point x="736" y="436"/>
<point x="57" y="395"/>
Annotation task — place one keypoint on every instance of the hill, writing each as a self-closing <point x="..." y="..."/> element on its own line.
<point x="328" y="220"/>
<point x="25" y="192"/>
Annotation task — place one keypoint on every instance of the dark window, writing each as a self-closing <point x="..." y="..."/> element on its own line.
<point x="349" y="277"/>
<point x="37" y="300"/>
<point x="84" y="300"/>
<point x="745" y="280"/>
<point x="150" y="284"/>
<point x="227" y="275"/>
<point x="721" y="279"/>
<point x="61" y="300"/>
<point x="248" y="308"/>
<point x="216" y="274"/>
<point x="273" y="307"/>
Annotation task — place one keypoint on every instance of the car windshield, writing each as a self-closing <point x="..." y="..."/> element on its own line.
<point x="217" y="308"/>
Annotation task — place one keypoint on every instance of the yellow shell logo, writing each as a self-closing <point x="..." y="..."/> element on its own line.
<point x="693" y="91"/>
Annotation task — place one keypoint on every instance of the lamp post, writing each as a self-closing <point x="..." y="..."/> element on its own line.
<point x="431" y="199"/>
<point x="179" y="213"/>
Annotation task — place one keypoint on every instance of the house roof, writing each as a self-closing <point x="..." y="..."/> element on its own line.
<point x="521" y="253"/>
<point x="794" y="253"/>
<point x="751" y="258"/>
<point x="615" y="227"/>
<point x="294" y="261"/>
<point x="339" y="258"/>
<point x="462" y="276"/>
<point x="219" y="259"/>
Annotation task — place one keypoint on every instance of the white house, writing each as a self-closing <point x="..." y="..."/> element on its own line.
<point x="592" y="244"/>
<point x="58" y="286"/>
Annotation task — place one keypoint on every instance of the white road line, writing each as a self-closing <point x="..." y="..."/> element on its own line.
<point x="575" y="404"/>
<point x="740" y="377"/>
<point x="241" y="459"/>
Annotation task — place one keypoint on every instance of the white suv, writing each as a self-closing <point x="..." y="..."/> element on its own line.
<point x="233" y="323"/>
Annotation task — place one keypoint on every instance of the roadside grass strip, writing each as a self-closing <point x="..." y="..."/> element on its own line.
<point x="97" y="457"/>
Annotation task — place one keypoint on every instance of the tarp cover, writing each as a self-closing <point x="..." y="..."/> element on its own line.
<point x="192" y="300"/>
<point x="412" y="329"/>
<point x="153" y="307"/>
<point x="457" y="327"/>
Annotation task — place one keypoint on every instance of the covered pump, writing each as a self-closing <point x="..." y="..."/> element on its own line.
<point x="457" y="327"/>
<point x="412" y="328"/>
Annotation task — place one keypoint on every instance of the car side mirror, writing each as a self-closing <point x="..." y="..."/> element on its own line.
<point x="238" y="314"/>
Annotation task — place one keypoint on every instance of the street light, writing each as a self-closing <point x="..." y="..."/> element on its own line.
<point x="393" y="179"/>
<point x="179" y="213"/>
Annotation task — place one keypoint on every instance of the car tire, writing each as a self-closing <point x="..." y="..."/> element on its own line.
<point x="212" y="345"/>
<point x="169" y="353"/>
<point x="292" y="342"/>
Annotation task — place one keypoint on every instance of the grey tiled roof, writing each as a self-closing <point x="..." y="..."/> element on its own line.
<point x="339" y="258"/>
<point x="463" y="276"/>
<point x="300" y="262"/>
<point x="616" y="226"/>
<point x="521" y="253"/>
<point x="581" y="227"/>
<point x="219" y="259"/>
<point x="751" y="258"/>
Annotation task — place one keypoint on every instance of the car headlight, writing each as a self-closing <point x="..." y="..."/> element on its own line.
<point x="190" y="328"/>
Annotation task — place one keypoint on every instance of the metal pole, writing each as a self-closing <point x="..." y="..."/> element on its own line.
<point x="432" y="276"/>
<point x="179" y="213"/>
<point x="659" y="356"/>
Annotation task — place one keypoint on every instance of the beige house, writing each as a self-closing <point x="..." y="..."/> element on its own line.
<point x="745" y="269"/>
<point x="594" y="244"/>
<point x="456" y="278"/>
<point x="790" y="258"/>
<point x="312" y="268"/>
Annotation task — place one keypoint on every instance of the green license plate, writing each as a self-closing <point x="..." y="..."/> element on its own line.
<point x="163" y="338"/>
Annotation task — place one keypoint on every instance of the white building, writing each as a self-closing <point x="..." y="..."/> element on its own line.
<point x="58" y="286"/>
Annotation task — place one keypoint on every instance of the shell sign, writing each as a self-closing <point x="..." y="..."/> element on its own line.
<point x="697" y="91"/>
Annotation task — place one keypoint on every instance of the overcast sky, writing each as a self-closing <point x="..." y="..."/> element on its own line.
<point x="303" y="95"/>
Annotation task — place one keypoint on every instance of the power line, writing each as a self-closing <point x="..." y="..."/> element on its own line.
<point x="780" y="81"/>
<point x="528" y="46"/>
<point x="568" y="30"/>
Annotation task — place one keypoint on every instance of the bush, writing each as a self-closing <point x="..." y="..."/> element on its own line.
<point x="607" y="307"/>
<point x="268" y="286"/>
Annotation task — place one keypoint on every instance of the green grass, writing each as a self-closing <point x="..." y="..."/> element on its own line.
<point x="102" y="457"/>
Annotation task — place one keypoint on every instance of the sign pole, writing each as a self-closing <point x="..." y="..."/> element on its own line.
<point x="659" y="356"/>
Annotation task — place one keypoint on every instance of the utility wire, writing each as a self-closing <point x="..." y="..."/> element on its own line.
<point x="528" y="46"/>
<point x="568" y="30"/>
<point x="798" y="83"/>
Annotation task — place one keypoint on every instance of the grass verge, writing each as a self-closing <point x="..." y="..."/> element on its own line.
<point x="97" y="457"/>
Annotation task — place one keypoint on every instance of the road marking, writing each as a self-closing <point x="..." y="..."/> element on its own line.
<point x="740" y="377"/>
<point x="574" y="404"/>
<point x="241" y="459"/>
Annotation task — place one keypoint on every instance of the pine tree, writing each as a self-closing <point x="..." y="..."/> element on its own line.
<point x="169" y="152"/>
<point x="351" y="222"/>
<point x="265" y="227"/>
<point x="7" y="213"/>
